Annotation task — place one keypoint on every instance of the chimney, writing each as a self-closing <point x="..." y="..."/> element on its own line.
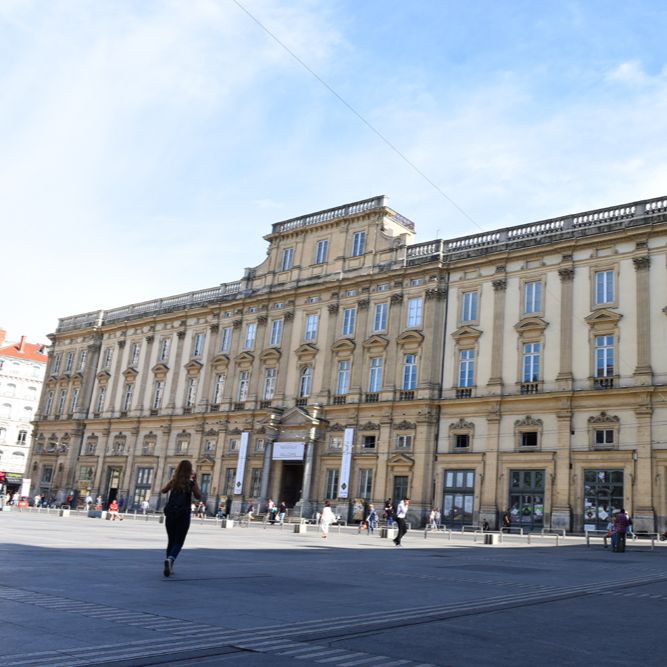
<point x="3" y="333"/>
<point x="22" y="344"/>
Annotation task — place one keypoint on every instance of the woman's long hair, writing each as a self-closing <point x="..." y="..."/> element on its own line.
<point x="182" y="476"/>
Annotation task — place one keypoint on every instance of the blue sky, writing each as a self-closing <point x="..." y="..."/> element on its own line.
<point x="146" y="147"/>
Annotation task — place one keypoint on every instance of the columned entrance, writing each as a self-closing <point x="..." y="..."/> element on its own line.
<point x="291" y="482"/>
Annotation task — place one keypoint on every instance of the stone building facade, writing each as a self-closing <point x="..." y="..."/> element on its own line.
<point x="519" y="369"/>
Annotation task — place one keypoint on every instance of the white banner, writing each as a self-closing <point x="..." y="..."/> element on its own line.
<point x="25" y="488"/>
<point x="288" y="451"/>
<point x="240" y="465"/>
<point x="344" y="481"/>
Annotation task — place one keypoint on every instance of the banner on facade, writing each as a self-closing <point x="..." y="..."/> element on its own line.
<point x="288" y="451"/>
<point x="344" y="483"/>
<point x="25" y="487"/>
<point x="240" y="465"/>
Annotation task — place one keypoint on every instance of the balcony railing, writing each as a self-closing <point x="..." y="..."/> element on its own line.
<point x="406" y="395"/>
<point x="239" y="406"/>
<point x="464" y="392"/>
<point x="372" y="397"/>
<point x="214" y="407"/>
<point x="339" y="400"/>
<point x="264" y="404"/>
<point x="301" y="402"/>
<point x="603" y="383"/>
<point x="530" y="387"/>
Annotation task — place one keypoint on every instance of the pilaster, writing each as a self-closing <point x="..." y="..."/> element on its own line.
<point x="643" y="370"/>
<point x="499" y="292"/>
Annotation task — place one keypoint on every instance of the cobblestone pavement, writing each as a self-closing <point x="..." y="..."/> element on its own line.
<point x="80" y="591"/>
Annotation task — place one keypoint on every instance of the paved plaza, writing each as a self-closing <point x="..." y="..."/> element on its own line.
<point x="82" y="591"/>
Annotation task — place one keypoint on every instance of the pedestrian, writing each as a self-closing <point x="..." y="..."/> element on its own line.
<point x="629" y="531"/>
<point x="371" y="519"/>
<point x="388" y="512"/>
<point x="432" y="519"/>
<point x="401" y="512"/>
<point x="250" y="510"/>
<point x="113" y="510"/>
<point x="621" y="524"/>
<point x="507" y="520"/>
<point x="611" y="534"/>
<point x="326" y="519"/>
<point x="98" y="503"/>
<point x="38" y="500"/>
<point x="88" y="501"/>
<point x="181" y="487"/>
<point x="282" y="512"/>
<point x="144" y="506"/>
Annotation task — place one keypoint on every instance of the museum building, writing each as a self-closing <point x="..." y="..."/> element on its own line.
<point x="521" y="370"/>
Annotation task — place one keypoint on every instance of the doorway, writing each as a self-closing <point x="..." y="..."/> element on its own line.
<point x="291" y="482"/>
<point x="113" y="484"/>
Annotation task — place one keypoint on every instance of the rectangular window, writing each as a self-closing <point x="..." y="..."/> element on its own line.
<point x="311" y="328"/>
<point x="375" y="375"/>
<point x="127" y="396"/>
<point x="56" y="364"/>
<point x="349" y="317"/>
<point x="286" y="262"/>
<point x="466" y="368"/>
<point x="164" y="350"/>
<point x="461" y="441"/>
<point x="158" y="387"/>
<point x="259" y="445"/>
<point x="230" y="478"/>
<point x="191" y="392"/>
<point x="198" y="345"/>
<point x="61" y="402"/>
<point x="47" y="474"/>
<point x="69" y="361"/>
<point x="250" y="333"/>
<point x="182" y="446"/>
<point x="108" y="356"/>
<point x="74" y="400"/>
<point x="400" y="488"/>
<point x="469" y="307"/>
<point x="604" y="287"/>
<point x="331" y="484"/>
<point x="404" y="442"/>
<point x="365" y="487"/>
<point x="604" y="356"/>
<point x="82" y="361"/>
<point x="244" y="383"/>
<point x="86" y="473"/>
<point x="368" y="441"/>
<point x="233" y="445"/>
<point x="321" y="251"/>
<point x="409" y="372"/>
<point x="276" y="333"/>
<point x="458" y="497"/>
<point x="205" y="484"/>
<point x="528" y="439"/>
<point x="218" y="388"/>
<point x="101" y="393"/>
<point x="380" y="317"/>
<point x="414" y="313"/>
<point x="255" y="482"/>
<point x="531" y="362"/>
<point x="532" y="297"/>
<point x="135" y="350"/>
<point x="226" y="339"/>
<point x="269" y="383"/>
<point x="604" y="437"/>
<point x="49" y="403"/>
<point x="144" y="476"/>
<point x="358" y="243"/>
<point x="343" y="378"/>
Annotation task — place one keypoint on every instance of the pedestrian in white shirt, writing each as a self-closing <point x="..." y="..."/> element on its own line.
<point x="327" y="518"/>
<point x="401" y="512"/>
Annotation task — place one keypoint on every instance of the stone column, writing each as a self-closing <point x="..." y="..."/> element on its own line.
<point x="288" y="346"/>
<point x="143" y="378"/>
<point x="433" y="325"/>
<point x="272" y="431"/>
<point x="117" y="366"/>
<point x="561" y="510"/>
<point x="565" y="377"/>
<point x="499" y="291"/>
<point x="205" y="375"/>
<point x="488" y="510"/>
<point x="305" y="502"/>
<point x="88" y="380"/>
<point x="642" y="506"/>
<point x="643" y="370"/>
<point x="176" y="372"/>
<point x="394" y="353"/>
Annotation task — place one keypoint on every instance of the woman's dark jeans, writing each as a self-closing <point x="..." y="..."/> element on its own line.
<point x="177" y="530"/>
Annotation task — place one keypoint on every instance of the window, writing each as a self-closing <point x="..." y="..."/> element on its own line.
<point x="86" y="473"/>
<point x="182" y="445"/>
<point x="603" y="494"/>
<point x="358" y="243"/>
<point x="22" y="438"/>
<point x="458" y="497"/>
<point x="409" y="372"/>
<point x="311" y="327"/>
<point x="276" y="333"/>
<point x="56" y="364"/>
<point x="365" y="487"/>
<point x="532" y="297"/>
<point x="244" y="383"/>
<point x="414" y="312"/>
<point x="469" y="307"/>
<point x="526" y="499"/>
<point x="74" y="401"/>
<point x="269" y="383"/>
<point x="380" y="317"/>
<point x="191" y="392"/>
<point x="604" y="356"/>
<point x="49" y="403"/>
<point x="230" y="478"/>
<point x="226" y="339"/>
<point x="82" y="361"/>
<point x="604" y="287"/>
<point x="321" y="251"/>
<point x="400" y="488"/>
<point x="368" y="441"/>
<point x="106" y="359"/>
<point x="218" y="387"/>
<point x="255" y="482"/>
<point x="331" y="484"/>
<point x="349" y="317"/>
<point x="528" y="439"/>
<point x="466" y="368"/>
<point x="69" y="361"/>
<point x="135" y="350"/>
<point x="531" y="362"/>
<point x="604" y="437"/>
<point x="6" y="410"/>
<point x="233" y="445"/>
<point x="461" y="441"/>
<point x="343" y="377"/>
<point x="61" y="401"/>
<point x="198" y="345"/>
<point x="375" y="375"/>
<point x="305" y="380"/>
<point x="47" y="474"/>
<point x="101" y="392"/>
<point x="205" y="484"/>
<point x="158" y="387"/>
<point x="11" y="390"/>
<point x="142" y="488"/>
<point x="259" y="445"/>
<point x="250" y="332"/>
<point x="286" y="262"/>
<point x="127" y="397"/>
<point x="209" y="447"/>
<point x="164" y="350"/>
<point x="404" y="442"/>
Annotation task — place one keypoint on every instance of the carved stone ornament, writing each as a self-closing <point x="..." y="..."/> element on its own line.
<point x="289" y="316"/>
<point x="333" y="308"/>
<point x="121" y="344"/>
<point x="180" y="334"/>
<point x="237" y="324"/>
<point x="641" y="263"/>
<point x="213" y="328"/>
<point x="262" y="319"/>
<point x="438" y="293"/>
<point x="235" y="431"/>
<point x="528" y="421"/>
<point x="150" y="338"/>
<point x="566" y="274"/>
<point x="363" y="304"/>
<point x="396" y="298"/>
<point x="604" y="418"/>
<point x="499" y="285"/>
<point x="461" y="425"/>
<point x="336" y="427"/>
<point x="369" y="426"/>
<point x="405" y="425"/>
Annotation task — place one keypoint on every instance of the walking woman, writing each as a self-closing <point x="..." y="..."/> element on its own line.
<point x="327" y="518"/>
<point x="181" y="487"/>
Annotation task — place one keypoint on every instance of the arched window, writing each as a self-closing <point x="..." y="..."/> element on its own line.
<point x="3" y="433"/>
<point x="6" y="410"/>
<point x="305" y="381"/>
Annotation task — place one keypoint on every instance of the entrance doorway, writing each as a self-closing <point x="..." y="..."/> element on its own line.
<point x="113" y="484"/>
<point x="290" y="486"/>
<point x="526" y="500"/>
<point x="603" y="495"/>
